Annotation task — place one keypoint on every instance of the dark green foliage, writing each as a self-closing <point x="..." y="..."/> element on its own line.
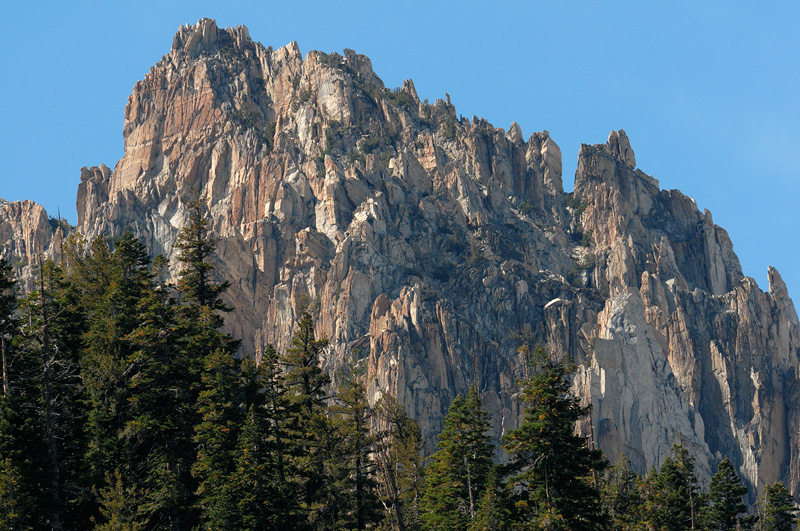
<point x="119" y="506"/>
<point x="110" y="285"/>
<point x="577" y="206"/>
<point x="778" y="510"/>
<point x="399" y="97"/>
<point x="457" y="473"/>
<point x="448" y="128"/>
<point x="216" y="435"/>
<point x="309" y="430"/>
<point x="17" y="504"/>
<point x="27" y="497"/>
<point x="724" y="500"/>
<point x="586" y="239"/>
<point x="493" y="508"/>
<point x="124" y="406"/>
<point x="621" y="496"/>
<point x="264" y="498"/>
<point x="399" y="466"/>
<point x="551" y="467"/>
<point x="526" y="208"/>
<point x="196" y="250"/>
<point x="673" y="499"/>
<point x="159" y="427"/>
<point x="353" y="468"/>
<point x="50" y="394"/>
<point x="185" y="443"/>
<point x="8" y="324"/>
<point x="267" y="136"/>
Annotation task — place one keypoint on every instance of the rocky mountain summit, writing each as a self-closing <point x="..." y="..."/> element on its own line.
<point x="437" y="251"/>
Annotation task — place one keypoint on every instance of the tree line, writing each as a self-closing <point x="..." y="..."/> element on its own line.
<point x="125" y="407"/>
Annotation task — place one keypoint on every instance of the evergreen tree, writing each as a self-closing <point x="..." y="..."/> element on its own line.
<point x="399" y="467"/>
<point x="493" y="513"/>
<point x="110" y="284"/>
<point x="180" y="352"/>
<point x="52" y="326"/>
<point x="551" y="467"/>
<point x="220" y="407"/>
<point x="778" y="510"/>
<point x="159" y="431"/>
<point x="16" y="503"/>
<point x="119" y="506"/>
<point x="265" y="499"/>
<point x="197" y="248"/>
<point x="460" y="466"/>
<point x="310" y="429"/>
<point x="351" y="464"/>
<point x="724" y="499"/>
<point x="8" y="324"/>
<point x="24" y="467"/>
<point x="620" y="495"/>
<point x="673" y="500"/>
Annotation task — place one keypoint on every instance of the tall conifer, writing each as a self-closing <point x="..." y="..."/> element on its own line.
<point x="724" y="500"/>
<point x="551" y="466"/>
<point x="459" y="468"/>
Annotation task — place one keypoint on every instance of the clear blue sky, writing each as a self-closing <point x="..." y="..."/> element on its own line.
<point x="707" y="91"/>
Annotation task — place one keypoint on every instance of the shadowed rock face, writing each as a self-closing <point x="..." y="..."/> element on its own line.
<point x="430" y="248"/>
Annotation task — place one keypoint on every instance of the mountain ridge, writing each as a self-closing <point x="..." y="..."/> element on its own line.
<point x="432" y="247"/>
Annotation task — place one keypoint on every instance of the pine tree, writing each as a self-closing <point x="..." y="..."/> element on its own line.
<point x="493" y="513"/>
<point x="265" y="499"/>
<point x="458" y="470"/>
<point x="551" y="466"/>
<point x="673" y="500"/>
<point x="620" y="495"/>
<point x="180" y="352"/>
<point x="724" y="500"/>
<point x="24" y="466"/>
<point x="16" y="503"/>
<point x="8" y="325"/>
<point x="197" y="248"/>
<point x="216" y="436"/>
<point x="164" y="387"/>
<point x="351" y="464"/>
<point x="52" y="327"/>
<point x="399" y="465"/>
<point x="119" y="506"/>
<point x="310" y="429"/>
<point x="778" y="510"/>
<point x="110" y="284"/>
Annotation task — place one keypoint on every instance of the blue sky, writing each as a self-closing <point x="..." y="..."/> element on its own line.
<point x="707" y="91"/>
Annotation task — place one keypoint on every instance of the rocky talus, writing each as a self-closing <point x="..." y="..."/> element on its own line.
<point x="433" y="249"/>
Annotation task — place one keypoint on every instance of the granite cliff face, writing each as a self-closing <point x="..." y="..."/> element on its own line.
<point x="28" y="234"/>
<point x="431" y="248"/>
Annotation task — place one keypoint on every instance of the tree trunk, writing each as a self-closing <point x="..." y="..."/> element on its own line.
<point x="50" y="415"/>
<point x="5" y="366"/>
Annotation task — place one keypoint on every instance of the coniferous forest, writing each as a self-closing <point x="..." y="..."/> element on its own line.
<point x="125" y="407"/>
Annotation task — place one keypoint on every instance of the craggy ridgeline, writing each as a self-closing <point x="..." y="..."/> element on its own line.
<point x="434" y="247"/>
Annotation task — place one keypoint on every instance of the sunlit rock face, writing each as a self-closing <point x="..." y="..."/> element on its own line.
<point x="431" y="247"/>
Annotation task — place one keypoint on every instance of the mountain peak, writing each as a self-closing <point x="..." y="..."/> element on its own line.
<point x="433" y="246"/>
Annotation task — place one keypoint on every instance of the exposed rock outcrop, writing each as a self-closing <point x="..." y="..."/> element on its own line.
<point x="431" y="247"/>
<point x="27" y="235"/>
